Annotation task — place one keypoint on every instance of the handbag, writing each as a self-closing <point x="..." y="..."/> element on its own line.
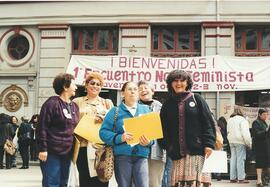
<point x="219" y="138"/>
<point x="10" y="147"/>
<point x="104" y="160"/>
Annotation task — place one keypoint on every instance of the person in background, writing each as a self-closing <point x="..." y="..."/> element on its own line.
<point x="58" y="118"/>
<point x="33" y="144"/>
<point x="260" y="132"/>
<point x="240" y="139"/>
<point x="14" y="123"/>
<point x="6" y="132"/>
<point x="97" y="107"/>
<point x="222" y="125"/>
<point x="157" y="156"/>
<point x="24" y="139"/>
<point x="188" y="131"/>
<point x="130" y="162"/>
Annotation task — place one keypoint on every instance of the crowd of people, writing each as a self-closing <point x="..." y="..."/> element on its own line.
<point x="189" y="136"/>
<point x="23" y="135"/>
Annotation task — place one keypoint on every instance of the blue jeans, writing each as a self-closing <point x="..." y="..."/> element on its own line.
<point x="55" y="170"/>
<point x="237" y="161"/>
<point x="128" y="169"/>
<point x="167" y="173"/>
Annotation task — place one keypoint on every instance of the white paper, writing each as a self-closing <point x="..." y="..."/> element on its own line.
<point x="216" y="163"/>
<point x="73" y="178"/>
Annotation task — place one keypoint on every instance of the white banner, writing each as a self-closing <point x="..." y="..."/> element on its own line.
<point x="209" y="73"/>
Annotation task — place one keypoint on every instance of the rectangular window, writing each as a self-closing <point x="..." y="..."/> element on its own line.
<point x="95" y="40"/>
<point x="252" y="41"/>
<point x="176" y="41"/>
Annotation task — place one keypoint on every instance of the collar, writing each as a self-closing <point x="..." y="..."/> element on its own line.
<point x="98" y="99"/>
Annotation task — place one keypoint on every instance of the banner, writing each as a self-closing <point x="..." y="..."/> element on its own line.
<point x="209" y="73"/>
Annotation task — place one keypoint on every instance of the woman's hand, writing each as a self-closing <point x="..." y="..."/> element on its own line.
<point x="43" y="156"/>
<point x="98" y="119"/>
<point x="144" y="141"/>
<point x="207" y="151"/>
<point x="127" y="137"/>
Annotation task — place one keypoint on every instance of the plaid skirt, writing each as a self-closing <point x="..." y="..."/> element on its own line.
<point x="187" y="172"/>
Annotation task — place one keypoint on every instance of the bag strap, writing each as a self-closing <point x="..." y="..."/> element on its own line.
<point x="115" y="118"/>
<point x="194" y="99"/>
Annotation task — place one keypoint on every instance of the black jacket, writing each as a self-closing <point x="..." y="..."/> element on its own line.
<point x="6" y="131"/>
<point x="199" y="126"/>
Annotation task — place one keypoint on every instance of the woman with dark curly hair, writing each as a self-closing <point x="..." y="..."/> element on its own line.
<point x="188" y="130"/>
<point x="58" y="118"/>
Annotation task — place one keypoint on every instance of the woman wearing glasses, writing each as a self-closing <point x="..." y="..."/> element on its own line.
<point x="93" y="105"/>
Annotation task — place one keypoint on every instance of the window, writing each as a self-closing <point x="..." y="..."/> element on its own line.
<point x="176" y="41"/>
<point x="253" y="98"/>
<point x="18" y="47"/>
<point x="252" y="41"/>
<point x="95" y="40"/>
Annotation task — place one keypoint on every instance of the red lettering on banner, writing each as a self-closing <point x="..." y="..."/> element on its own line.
<point x="200" y="87"/>
<point x="76" y="70"/>
<point x="249" y="77"/>
<point x="225" y="86"/>
<point x="162" y="63"/>
<point x="161" y="76"/>
<point x="122" y="62"/>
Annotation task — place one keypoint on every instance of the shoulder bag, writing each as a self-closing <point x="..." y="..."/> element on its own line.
<point x="104" y="161"/>
<point x="10" y="147"/>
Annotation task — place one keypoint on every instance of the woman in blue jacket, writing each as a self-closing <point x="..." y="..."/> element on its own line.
<point x="130" y="161"/>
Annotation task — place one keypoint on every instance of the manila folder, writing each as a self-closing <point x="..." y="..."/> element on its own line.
<point x="88" y="129"/>
<point x="148" y="125"/>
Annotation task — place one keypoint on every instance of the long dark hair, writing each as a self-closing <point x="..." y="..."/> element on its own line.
<point x="33" y="117"/>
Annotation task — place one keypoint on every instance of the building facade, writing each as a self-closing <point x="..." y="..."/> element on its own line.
<point x="37" y="40"/>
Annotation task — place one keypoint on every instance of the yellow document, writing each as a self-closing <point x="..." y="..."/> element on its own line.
<point x="148" y="125"/>
<point x="88" y="129"/>
<point x="76" y="150"/>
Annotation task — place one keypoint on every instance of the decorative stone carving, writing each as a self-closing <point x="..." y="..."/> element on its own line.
<point x="13" y="97"/>
<point x="13" y="101"/>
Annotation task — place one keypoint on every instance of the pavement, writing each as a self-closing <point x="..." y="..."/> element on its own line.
<point x="32" y="177"/>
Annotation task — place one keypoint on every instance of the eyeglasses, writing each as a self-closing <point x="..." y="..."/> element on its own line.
<point x="92" y="83"/>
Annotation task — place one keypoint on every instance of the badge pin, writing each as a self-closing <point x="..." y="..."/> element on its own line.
<point x="191" y="104"/>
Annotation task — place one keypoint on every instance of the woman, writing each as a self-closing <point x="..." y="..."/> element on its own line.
<point x="188" y="131"/>
<point x="260" y="134"/>
<point x="6" y="132"/>
<point x="240" y="139"/>
<point x="130" y="161"/>
<point x="24" y="139"/>
<point x="58" y="118"/>
<point x="97" y="107"/>
<point x="14" y="123"/>
<point x="222" y="125"/>
<point x="157" y="157"/>
<point x="33" y="144"/>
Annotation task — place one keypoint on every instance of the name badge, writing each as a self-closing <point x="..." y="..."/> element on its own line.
<point x="67" y="115"/>
<point x="191" y="104"/>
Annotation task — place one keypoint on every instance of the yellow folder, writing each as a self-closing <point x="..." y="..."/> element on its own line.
<point x="88" y="129"/>
<point x="148" y="125"/>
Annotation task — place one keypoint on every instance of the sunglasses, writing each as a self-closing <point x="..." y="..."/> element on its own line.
<point x="92" y="83"/>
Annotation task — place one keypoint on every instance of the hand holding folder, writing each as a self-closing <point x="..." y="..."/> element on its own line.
<point x="148" y="125"/>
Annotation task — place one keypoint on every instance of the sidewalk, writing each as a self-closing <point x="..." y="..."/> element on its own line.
<point x="19" y="161"/>
<point x="225" y="183"/>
